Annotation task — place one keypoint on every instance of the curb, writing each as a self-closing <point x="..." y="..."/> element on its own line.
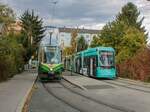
<point x="21" y="105"/>
<point x="79" y="86"/>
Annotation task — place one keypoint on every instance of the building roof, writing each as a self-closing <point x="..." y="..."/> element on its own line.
<point x="70" y="30"/>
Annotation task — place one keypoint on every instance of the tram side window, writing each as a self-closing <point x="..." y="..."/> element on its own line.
<point x="96" y="57"/>
<point x="85" y="62"/>
<point x="80" y="62"/>
<point x="95" y="62"/>
<point x="69" y="61"/>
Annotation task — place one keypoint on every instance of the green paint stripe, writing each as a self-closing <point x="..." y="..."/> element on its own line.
<point x="55" y="67"/>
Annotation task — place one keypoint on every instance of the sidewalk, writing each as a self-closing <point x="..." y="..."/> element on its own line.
<point x="14" y="92"/>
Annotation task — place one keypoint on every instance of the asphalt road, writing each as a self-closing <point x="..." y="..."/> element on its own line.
<point x="102" y="96"/>
<point x="64" y="97"/>
<point x="42" y="101"/>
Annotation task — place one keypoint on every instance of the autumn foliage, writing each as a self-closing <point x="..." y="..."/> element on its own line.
<point x="137" y="67"/>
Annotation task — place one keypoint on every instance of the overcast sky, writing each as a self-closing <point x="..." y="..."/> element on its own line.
<point x="83" y="13"/>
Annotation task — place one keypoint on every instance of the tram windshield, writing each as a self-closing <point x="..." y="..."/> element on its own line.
<point x="51" y="55"/>
<point x="106" y="58"/>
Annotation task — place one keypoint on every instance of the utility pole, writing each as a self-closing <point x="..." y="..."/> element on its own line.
<point x="50" y="33"/>
<point x="54" y="3"/>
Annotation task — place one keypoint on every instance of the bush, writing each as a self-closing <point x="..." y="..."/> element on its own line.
<point x="11" y="57"/>
<point x="137" y="67"/>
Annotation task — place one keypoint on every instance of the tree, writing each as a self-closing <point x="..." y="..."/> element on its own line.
<point x="95" y="41"/>
<point x="130" y="16"/>
<point x="11" y="56"/>
<point x="112" y="35"/>
<point x="74" y="35"/>
<point x="67" y="51"/>
<point x="7" y="15"/>
<point x="131" y="43"/>
<point x="32" y="31"/>
<point x="81" y="44"/>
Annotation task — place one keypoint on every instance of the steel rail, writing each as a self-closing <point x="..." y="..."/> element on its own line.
<point x="120" y="108"/>
<point x="60" y="99"/>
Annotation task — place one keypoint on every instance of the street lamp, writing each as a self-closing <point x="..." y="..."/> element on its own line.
<point x="54" y="3"/>
<point x="50" y="33"/>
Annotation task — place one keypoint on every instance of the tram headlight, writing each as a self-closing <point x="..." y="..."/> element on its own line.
<point x="51" y="69"/>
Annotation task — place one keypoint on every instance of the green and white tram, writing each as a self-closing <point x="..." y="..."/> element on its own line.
<point x="50" y="66"/>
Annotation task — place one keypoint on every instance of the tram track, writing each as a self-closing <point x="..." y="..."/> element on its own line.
<point x="120" y="108"/>
<point x="125" y="86"/>
<point x="125" y="82"/>
<point x="115" y="107"/>
<point x="60" y="99"/>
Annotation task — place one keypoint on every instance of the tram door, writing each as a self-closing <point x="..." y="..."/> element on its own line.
<point x="93" y="66"/>
<point x="78" y="65"/>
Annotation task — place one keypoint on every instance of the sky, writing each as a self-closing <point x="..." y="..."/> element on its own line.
<point x="93" y="14"/>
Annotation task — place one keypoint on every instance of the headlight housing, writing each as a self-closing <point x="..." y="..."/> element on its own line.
<point x="51" y="69"/>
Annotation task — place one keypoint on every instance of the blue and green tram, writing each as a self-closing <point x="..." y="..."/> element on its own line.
<point x="96" y="62"/>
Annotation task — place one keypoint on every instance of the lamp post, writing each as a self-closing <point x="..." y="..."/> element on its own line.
<point x="50" y="38"/>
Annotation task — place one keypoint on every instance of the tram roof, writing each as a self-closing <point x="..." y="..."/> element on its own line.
<point x="100" y="48"/>
<point x="92" y="51"/>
